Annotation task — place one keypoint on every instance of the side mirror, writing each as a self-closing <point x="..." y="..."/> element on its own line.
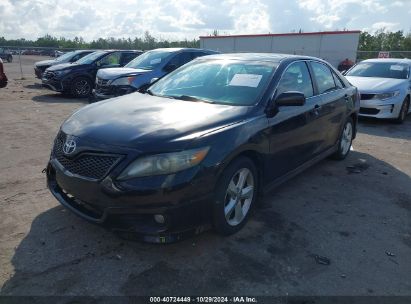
<point x="290" y="99"/>
<point x="170" y="67"/>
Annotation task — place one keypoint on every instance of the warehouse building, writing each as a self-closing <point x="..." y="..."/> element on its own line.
<point x="331" y="46"/>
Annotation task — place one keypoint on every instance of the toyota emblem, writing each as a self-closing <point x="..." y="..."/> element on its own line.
<point x="69" y="146"/>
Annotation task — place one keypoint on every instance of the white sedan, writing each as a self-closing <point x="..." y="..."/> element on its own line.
<point x="385" y="87"/>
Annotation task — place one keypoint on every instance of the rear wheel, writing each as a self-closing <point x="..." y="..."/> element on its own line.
<point x="345" y="141"/>
<point x="404" y="111"/>
<point x="81" y="87"/>
<point x="235" y="196"/>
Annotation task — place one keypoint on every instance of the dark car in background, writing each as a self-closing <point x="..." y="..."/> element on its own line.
<point x="41" y="66"/>
<point x="6" y="55"/>
<point x="78" y="78"/>
<point x="3" y="77"/>
<point x="202" y="144"/>
<point x="140" y="72"/>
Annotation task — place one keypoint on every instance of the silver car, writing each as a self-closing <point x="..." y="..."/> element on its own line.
<point x="385" y="87"/>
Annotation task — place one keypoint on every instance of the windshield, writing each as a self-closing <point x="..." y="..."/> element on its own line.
<point x="149" y="60"/>
<point x="66" y="56"/>
<point x="380" y="69"/>
<point x="90" y="58"/>
<point x="230" y="82"/>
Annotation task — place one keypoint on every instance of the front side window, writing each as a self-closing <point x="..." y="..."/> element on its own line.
<point x="90" y="58"/>
<point x="296" y="78"/>
<point x="111" y="59"/>
<point x="230" y="82"/>
<point x="149" y="60"/>
<point x="181" y="59"/>
<point x="380" y="70"/>
<point x="324" y="77"/>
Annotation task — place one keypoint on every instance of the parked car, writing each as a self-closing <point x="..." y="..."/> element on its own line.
<point x="385" y="87"/>
<point x="41" y="66"/>
<point x="78" y="78"/>
<point x="3" y="77"/>
<point x="6" y="55"/>
<point x="202" y="144"/>
<point x="140" y="72"/>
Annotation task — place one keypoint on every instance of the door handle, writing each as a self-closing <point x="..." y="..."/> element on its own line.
<point x="346" y="97"/>
<point x="316" y="110"/>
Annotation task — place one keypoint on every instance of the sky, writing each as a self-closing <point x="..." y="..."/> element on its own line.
<point x="180" y="19"/>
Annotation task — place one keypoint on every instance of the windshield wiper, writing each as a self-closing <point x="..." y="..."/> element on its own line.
<point x="189" y="98"/>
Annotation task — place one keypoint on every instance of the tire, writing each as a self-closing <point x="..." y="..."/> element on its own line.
<point x="232" y="208"/>
<point x="404" y="111"/>
<point x="81" y="87"/>
<point x="9" y="59"/>
<point x="345" y="140"/>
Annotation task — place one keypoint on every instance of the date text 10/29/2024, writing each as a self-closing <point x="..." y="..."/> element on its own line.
<point x="203" y="300"/>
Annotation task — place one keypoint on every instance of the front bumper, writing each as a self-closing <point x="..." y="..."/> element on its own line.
<point x="387" y="109"/>
<point x="130" y="212"/>
<point x="52" y="84"/>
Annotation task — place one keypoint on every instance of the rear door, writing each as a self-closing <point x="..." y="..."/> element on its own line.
<point x="331" y="108"/>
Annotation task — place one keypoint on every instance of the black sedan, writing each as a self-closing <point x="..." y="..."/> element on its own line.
<point x="202" y="144"/>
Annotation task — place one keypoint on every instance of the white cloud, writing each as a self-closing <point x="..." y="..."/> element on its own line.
<point x="179" y="19"/>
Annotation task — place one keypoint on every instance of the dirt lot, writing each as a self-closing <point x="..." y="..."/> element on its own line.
<point x="356" y="213"/>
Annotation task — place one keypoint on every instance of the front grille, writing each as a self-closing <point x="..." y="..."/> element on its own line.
<point x="89" y="165"/>
<point x="369" y="111"/>
<point x="367" y="96"/>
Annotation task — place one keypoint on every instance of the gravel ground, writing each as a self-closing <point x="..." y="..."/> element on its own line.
<point x="355" y="213"/>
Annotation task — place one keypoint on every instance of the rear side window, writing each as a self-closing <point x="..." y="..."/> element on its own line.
<point x="296" y="78"/>
<point x="324" y="77"/>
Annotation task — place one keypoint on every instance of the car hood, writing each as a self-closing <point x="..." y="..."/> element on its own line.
<point x="113" y="73"/>
<point x="64" y="66"/>
<point x="376" y="85"/>
<point x="45" y="62"/>
<point x="145" y="122"/>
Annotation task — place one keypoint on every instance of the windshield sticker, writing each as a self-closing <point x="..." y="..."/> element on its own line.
<point x="397" y="68"/>
<point x="155" y="61"/>
<point x="246" y="80"/>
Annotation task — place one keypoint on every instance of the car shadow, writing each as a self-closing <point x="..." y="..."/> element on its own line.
<point x="35" y="86"/>
<point x="385" y="127"/>
<point x="59" y="98"/>
<point x="349" y="218"/>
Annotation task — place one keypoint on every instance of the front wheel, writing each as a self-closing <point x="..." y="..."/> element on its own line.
<point x="345" y="141"/>
<point x="81" y="87"/>
<point x="404" y="111"/>
<point x="235" y="196"/>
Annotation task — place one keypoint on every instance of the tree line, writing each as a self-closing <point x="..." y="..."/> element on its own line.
<point x="381" y="40"/>
<point x="147" y="42"/>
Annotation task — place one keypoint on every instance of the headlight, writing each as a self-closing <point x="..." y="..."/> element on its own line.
<point x="384" y="96"/>
<point x="164" y="163"/>
<point x="123" y="80"/>
<point x="62" y="72"/>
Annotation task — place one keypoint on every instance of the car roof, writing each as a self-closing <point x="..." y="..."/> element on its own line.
<point x="271" y="57"/>
<point x="389" y="60"/>
<point x="171" y="50"/>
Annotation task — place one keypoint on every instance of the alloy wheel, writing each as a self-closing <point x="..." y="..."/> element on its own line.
<point x="239" y="196"/>
<point x="346" y="138"/>
<point x="82" y="87"/>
